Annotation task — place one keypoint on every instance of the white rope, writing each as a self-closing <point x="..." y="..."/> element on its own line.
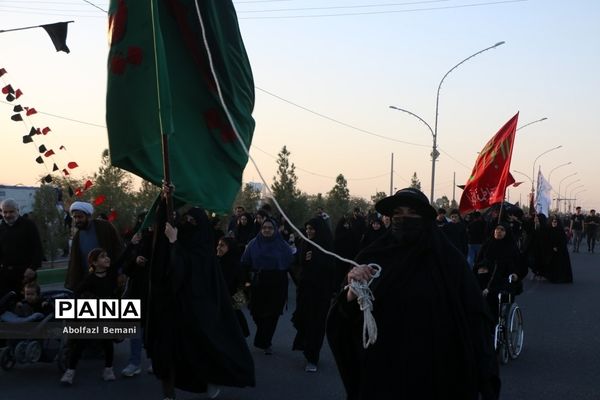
<point x="365" y="300"/>
<point x="364" y="294"/>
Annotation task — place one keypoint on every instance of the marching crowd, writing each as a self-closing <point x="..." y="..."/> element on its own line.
<point x="441" y="273"/>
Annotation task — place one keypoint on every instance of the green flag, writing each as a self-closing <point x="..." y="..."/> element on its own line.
<point x="160" y="82"/>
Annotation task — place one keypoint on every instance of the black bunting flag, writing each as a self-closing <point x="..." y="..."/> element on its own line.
<point x="39" y="160"/>
<point x="43" y="149"/>
<point x="17" y="117"/>
<point x="27" y="139"/>
<point x="54" y="167"/>
<point x="18" y="108"/>
<point x="48" y="178"/>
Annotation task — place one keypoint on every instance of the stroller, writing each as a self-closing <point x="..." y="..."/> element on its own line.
<point x="30" y="348"/>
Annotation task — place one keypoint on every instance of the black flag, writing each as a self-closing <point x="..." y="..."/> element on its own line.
<point x="58" y="34"/>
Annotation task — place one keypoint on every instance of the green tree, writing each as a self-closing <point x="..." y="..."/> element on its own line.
<point x="248" y="197"/>
<point x="378" y="196"/>
<point x="415" y="182"/>
<point x="443" y="202"/>
<point x="49" y="216"/>
<point x="117" y="185"/>
<point x="285" y="189"/>
<point x="145" y="197"/>
<point x="338" y="198"/>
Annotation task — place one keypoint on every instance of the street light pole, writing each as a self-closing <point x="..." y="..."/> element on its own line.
<point x="571" y="196"/>
<point x="559" y="184"/>
<point x="532" y="122"/>
<point x="533" y="169"/>
<point x="434" y="152"/>
<point x="555" y="168"/>
<point x="566" y="189"/>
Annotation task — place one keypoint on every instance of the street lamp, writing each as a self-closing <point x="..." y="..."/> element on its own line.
<point x="434" y="152"/>
<point x="555" y="168"/>
<point x="524" y="174"/>
<point x="532" y="122"/>
<point x="567" y="188"/>
<point x="559" y="192"/>
<point x="571" y="196"/>
<point x="577" y="194"/>
<point x="534" y="161"/>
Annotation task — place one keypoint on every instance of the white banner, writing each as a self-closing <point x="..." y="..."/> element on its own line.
<point x="543" y="196"/>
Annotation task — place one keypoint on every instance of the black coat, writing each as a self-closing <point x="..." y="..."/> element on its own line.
<point x="433" y="340"/>
<point x="192" y="330"/>
<point x="559" y="270"/>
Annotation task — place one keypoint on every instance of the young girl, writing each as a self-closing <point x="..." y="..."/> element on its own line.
<point x="100" y="283"/>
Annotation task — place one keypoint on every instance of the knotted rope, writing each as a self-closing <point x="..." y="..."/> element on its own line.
<point x="365" y="301"/>
<point x="365" y="297"/>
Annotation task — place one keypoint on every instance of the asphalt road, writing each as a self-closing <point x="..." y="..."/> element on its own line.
<point x="560" y="360"/>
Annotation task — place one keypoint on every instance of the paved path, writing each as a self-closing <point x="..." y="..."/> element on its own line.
<point x="560" y="361"/>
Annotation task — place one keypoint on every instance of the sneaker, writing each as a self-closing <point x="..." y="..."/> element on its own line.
<point x="310" y="367"/>
<point x="108" y="374"/>
<point x="131" y="370"/>
<point x="212" y="391"/>
<point x="67" y="378"/>
<point x="269" y="351"/>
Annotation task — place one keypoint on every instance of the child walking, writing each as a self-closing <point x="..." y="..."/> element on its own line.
<point x="100" y="283"/>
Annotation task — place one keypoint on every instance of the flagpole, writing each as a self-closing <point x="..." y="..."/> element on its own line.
<point x="164" y="137"/>
<point x="31" y="27"/>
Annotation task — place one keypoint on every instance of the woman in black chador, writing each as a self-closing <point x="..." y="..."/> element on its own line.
<point x="345" y="244"/>
<point x="498" y="260"/>
<point x="269" y="258"/>
<point x="192" y="335"/>
<point x="433" y="339"/>
<point x="559" y="270"/>
<point x="236" y="278"/>
<point x="314" y="292"/>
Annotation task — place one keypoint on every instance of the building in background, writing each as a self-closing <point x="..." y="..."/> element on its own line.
<point x="23" y="195"/>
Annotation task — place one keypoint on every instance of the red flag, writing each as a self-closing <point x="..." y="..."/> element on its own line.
<point x="490" y="176"/>
<point x="99" y="200"/>
<point x="30" y="111"/>
<point x="72" y="165"/>
<point x="78" y="192"/>
<point x="66" y="172"/>
<point x="45" y="130"/>
<point x="8" y="89"/>
<point x="87" y="185"/>
<point x="18" y="93"/>
<point x="2" y="71"/>
<point x="49" y="153"/>
<point x="112" y="216"/>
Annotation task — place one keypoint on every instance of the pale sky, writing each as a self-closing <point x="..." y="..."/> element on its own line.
<point x="349" y="68"/>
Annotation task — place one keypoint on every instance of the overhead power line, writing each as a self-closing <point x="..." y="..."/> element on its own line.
<point x="388" y="11"/>
<point x="343" y="7"/>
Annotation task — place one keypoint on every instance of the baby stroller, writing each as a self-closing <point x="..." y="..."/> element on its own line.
<point x="30" y="347"/>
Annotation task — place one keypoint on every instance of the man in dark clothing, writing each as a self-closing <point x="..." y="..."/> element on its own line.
<point x="456" y="232"/>
<point x="591" y="227"/>
<point x="425" y="283"/>
<point x="475" y="237"/>
<point x="576" y="228"/>
<point x="91" y="234"/>
<point x="20" y="249"/>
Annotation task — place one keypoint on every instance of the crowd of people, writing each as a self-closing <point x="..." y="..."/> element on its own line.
<point x="440" y="274"/>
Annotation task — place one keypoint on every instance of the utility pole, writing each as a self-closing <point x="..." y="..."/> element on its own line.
<point x="392" y="177"/>
<point x="454" y="189"/>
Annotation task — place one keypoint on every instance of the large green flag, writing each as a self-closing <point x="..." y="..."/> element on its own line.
<point x="160" y="82"/>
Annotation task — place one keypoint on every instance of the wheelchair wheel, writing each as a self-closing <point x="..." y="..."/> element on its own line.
<point x="7" y="359"/>
<point x="515" y="331"/>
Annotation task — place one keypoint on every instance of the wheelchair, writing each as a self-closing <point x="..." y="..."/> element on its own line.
<point x="508" y="333"/>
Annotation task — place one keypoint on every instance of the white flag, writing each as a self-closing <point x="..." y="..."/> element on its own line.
<point x="543" y="198"/>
